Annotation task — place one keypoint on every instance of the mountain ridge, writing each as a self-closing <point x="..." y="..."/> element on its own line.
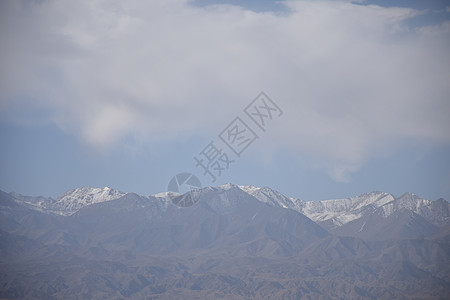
<point x="225" y="243"/>
<point x="332" y="213"/>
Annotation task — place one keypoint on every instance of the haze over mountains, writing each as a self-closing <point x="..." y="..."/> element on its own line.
<point x="234" y="242"/>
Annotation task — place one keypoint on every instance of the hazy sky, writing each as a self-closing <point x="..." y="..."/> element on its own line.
<point x="126" y="93"/>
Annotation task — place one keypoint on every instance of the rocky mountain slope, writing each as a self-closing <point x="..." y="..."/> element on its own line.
<point x="71" y="201"/>
<point x="233" y="243"/>
<point x="372" y="216"/>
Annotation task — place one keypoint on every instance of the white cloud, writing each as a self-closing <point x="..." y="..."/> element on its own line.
<point x="353" y="80"/>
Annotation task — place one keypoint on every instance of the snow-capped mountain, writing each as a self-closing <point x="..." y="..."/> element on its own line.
<point x="335" y="212"/>
<point x="338" y="212"/>
<point x="71" y="201"/>
<point x="342" y="211"/>
<point x="371" y="216"/>
<point x="236" y="239"/>
<point x="436" y="212"/>
<point x="344" y="216"/>
<point x="272" y="197"/>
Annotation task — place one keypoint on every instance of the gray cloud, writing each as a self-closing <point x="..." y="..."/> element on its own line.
<point x="354" y="81"/>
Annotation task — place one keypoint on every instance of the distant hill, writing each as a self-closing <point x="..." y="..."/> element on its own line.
<point x="230" y="242"/>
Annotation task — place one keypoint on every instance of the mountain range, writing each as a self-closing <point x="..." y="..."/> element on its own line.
<point x="230" y="242"/>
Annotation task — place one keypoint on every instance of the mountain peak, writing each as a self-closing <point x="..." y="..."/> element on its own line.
<point x="338" y="212"/>
<point x="233" y="242"/>
<point x="330" y="213"/>
<point x="227" y="186"/>
<point x="408" y="195"/>
<point x="71" y="201"/>
<point x="248" y="188"/>
<point x="87" y="190"/>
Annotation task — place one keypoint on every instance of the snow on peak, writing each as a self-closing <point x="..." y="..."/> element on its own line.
<point x="166" y="195"/>
<point x="335" y="212"/>
<point x="249" y="189"/>
<point x="227" y="186"/>
<point x="338" y="211"/>
<point x="272" y="197"/>
<point x="73" y="200"/>
<point x="342" y="211"/>
<point x="407" y="201"/>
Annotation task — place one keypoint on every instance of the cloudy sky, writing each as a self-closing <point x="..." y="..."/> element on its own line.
<point x="126" y="93"/>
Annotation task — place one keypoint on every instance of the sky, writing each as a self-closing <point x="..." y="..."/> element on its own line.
<point x="128" y="94"/>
